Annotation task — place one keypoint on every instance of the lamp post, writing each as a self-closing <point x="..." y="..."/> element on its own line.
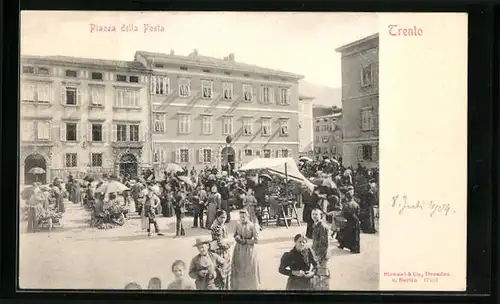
<point x="229" y="139"/>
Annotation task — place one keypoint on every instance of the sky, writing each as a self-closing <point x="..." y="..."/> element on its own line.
<point x="302" y="43"/>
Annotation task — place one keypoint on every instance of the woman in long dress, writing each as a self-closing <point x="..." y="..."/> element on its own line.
<point x="214" y="204"/>
<point x="249" y="204"/>
<point x="245" y="273"/>
<point x="349" y="235"/>
<point x="220" y="245"/>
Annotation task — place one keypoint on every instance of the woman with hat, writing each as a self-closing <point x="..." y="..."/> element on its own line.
<point x="299" y="264"/>
<point x="245" y="274"/>
<point x="349" y="235"/>
<point x="213" y="204"/>
<point x="203" y="266"/>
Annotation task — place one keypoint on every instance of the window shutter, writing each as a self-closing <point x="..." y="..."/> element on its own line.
<point x="78" y="132"/>
<point x="240" y="154"/>
<point x="374" y="153"/>
<point x="153" y="85"/>
<point x="166" y="158"/>
<point x="79" y="95"/>
<point x="261" y="152"/>
<point x="141" y="133"/>
<point x="261" y="94"/>
<point x="280" y="153"/>
<point x="177" y="155"/>
<point x="104" y="132"/>
<point x="190" y="155"/>
<point x="360" y="153"/>
<point x="114" y="130"/>
<point x="89" y="131"/>
<point x="64" y="160"/>
<point x="289" y="152"/>
<point x="62" y="96"/>
<point x="63" y="131"/>
<point x="272" y="96"/>
<point x="165" y="123"/>
<point x="200" y="155"/>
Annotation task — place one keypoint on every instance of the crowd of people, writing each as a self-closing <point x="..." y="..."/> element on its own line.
<point x="343" y="203"/>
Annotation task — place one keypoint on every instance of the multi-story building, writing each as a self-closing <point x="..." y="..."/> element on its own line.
<point x="328" y="136"/>
<point x="306" y="132"/>
<point x="82" y="115"/>
<point x="360" y="99"/>
<point x="199" y="101"/>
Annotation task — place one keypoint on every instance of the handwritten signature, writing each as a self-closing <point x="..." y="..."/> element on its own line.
<point x="433" y="208"/>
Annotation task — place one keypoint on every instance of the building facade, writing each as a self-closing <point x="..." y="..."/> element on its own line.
<point x="306" y="120"/>
<point x="328" y="136"/>
<point x="197" y="102"/>
<point x="82" y="115"/>
<point x="360" y="101"/>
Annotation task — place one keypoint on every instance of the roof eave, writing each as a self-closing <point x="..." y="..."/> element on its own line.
<point x="355" y="43"/>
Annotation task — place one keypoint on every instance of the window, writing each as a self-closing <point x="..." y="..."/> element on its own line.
<point x="159" y="122"/>
<point x="96" y="132"/>
<point x="317" y="128"/>
<point x="284" y="128"/>
<point x="71" y="131"/>
<point x="158" y="65"/>
<point x="227" y="90"/>
<point x="325" y="139"/>
<point x="227" y="125"/>
<point x="127" y="98"/>
<point x="367" y="123"/>
<point x="70" y="73"/>
<point x="206" y="87"/>
<point x="43" y="71"/>
<point x="184" y="87"/>
<point x="71" y="160"/>
<point x="206" y="155"/>
<point x="206" y="124"/>
<point x="206" y="71"/>
<point x="284" y="153"/>
<point x="184" y="155"/>
<point x="366" y="76"/>
<point x="160" y="85"/>
<point x="267" y="153"/>
<point x="39" y="130"/>
<point x="184" y="123"/>
<point x="317" y="139"/>
<point x="134" y="132"/>
<point x="28" y="92"/>
<point x="266" y="126"/>
<point x="71" y="96"/>
<point x="324" y="128"/>
<point x="97" y="96"/>
<point x="284" y="96"/>
<point x="247" y="126"/>
<point x="96" y="76"/>
<point x="248" y="152"/>
<point x="121" y="78"/>
<point x="246" y="75"/>
<point x="266" y="95"/>
<point x="96" y="159"/>
<point x="28" y="70"/>
<point x="247" y="92"/>
<point x="367" y="152"/>
<point x="183" y="68"/>
<point x="43" y="93"/>
<point x="134" y="79"/>
<point x="121" y="132"/>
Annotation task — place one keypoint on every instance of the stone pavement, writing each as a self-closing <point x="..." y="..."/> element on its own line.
<point x="76" y="256"/>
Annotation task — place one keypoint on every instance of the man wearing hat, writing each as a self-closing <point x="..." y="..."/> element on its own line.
<point x="151" y="202"/>
<point x="203" y="266"/>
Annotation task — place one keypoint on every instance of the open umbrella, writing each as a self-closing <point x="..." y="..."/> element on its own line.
<point x="173" y="168"/>
<point x="112" y="186"/>
<point x="305" y="158"/>
<point x="265" y="176"/>
<point x="36" y="170"/>
<point x="186" y="180"/>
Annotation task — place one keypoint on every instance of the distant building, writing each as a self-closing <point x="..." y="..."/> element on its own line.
<point x="328" y="136"/>
<point x="82" y="115"/>
<point x="360" y="100"/>
<point x="319" y="110"/>
<point x="198" y="101"/>
<point x="306" y="121"/>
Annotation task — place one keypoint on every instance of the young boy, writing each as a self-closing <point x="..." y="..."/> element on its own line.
<point x="203" y="266"/>
<point x="154" y="283"/>
<point x="180" y="282"/>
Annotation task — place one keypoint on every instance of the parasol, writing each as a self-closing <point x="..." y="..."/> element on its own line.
<point x="186" y="180"/>
<point x="327" y="161"/>
<point x="36" y="170"/>
<point x="305" y="158"/>
<point x="173" y="168"/>
<point x="265" y="176"/>
<point x="112" y="186"/>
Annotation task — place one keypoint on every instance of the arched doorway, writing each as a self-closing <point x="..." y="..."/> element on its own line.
<point x="128" y="165"/>
<point x="228" y="158"/>
<point x="35" y="161"/>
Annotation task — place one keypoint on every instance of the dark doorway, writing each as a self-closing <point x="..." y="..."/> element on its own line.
<point x="128" y="165"/>
<point x="228" y="158"/>
<point x="34" y="161"/>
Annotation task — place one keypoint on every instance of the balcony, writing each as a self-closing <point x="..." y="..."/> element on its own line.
<point x="127" y="144"/>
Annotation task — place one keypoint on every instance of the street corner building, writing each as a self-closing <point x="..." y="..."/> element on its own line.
<point x="360" y="100"/>
<point x="199" y="102"/>
<point x="328" y="136"/>
<point x="81" y="115"/>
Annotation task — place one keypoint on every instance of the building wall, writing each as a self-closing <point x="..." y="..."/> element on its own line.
<point x="83" y="114"/>
<point x="357" y="98"/>
<point x="328" y="136"/>
<point x="172" y="106"/>
<point x="306" y="128"/>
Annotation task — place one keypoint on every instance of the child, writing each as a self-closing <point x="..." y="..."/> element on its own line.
<point x="133" y="285"/>
<point x="180" y="282"/>
<point x="154" y="283"/>
<point x="203" y="266"/>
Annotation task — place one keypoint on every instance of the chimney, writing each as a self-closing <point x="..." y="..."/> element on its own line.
<point x="172" y="52"/>
<point x="231" y="57"/>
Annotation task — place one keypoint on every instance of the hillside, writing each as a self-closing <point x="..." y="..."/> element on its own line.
<point x="324" y="96"/>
